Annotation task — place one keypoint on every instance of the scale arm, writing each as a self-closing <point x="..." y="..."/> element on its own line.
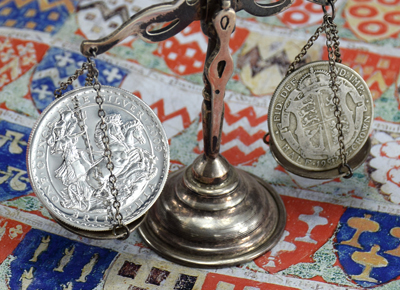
<point x="178" y="15"/>
<point x="258" y="9"/>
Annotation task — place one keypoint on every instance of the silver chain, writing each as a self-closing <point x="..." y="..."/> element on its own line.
<point x="332" y="44"/>
<point x="305" y="49"/>
<point x="70" y="80"/>
<point x="92" y="80"/>
<point x="334" y="56"/>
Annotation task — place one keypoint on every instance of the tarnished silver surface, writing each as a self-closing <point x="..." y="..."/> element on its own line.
<point x="301" y="117"/>
<point x="195" y="228"/>
<point x="67" y="166"/>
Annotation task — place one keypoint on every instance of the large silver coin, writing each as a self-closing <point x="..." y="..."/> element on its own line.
<point x="67" y="166"/>
<point x="302" y="123"/>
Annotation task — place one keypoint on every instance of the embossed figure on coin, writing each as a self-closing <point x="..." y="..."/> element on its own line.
<point x="312" y="106"/>
<point x="133" y="166"/>
<point x="70" y="171"/>
<point x="304" y="125"/>
<point x="62" y="140"/>
<point x="85" y="177"/>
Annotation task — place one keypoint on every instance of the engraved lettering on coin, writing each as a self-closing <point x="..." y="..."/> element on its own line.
<point x="302" y="120"/>
<point x="67" y="165"/>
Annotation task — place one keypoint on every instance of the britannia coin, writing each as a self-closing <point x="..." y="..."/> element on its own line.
<point x="67" y="165"/>
<point x="302" y="122"/>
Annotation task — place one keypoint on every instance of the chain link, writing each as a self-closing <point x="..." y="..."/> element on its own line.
<point x="92" y="80"/>
<point x="332" y="44"/>
<point x="305" y="48"/>
<point x="334" y="56"/>
<point x="70" y="80"/>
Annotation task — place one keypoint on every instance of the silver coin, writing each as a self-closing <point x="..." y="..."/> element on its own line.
<point x="302" y="123"/>
<point x="67" y="165"/>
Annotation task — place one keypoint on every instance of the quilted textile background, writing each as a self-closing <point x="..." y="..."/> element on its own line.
<point x="340" y="234"/>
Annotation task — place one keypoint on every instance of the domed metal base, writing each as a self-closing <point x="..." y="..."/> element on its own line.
<point x="225" y="220"/>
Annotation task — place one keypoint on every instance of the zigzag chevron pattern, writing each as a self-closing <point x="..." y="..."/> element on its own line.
<point x="176" y="111"/>
<point x="158" y="107"/>
<point x="241" y="140"/>
<point x="107" y="13"/>
<point x="248" y="140"/>
<point x="239" y="150"/>
<point x="248" y="113"/>
<point x="173" y="122"/>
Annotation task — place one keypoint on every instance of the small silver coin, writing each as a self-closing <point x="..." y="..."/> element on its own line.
<point x="302" y="123"/>
<point x="67" y="165"/>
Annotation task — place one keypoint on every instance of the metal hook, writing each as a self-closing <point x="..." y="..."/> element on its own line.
<point x="332" y="3"/>
<point x="266" y="138"/>
<point x="349" y="173"/>
<point x="93" y="51"/>
<point x="125" y="228"/>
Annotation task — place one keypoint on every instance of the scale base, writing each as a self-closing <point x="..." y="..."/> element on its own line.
<point x="214" y="225"/>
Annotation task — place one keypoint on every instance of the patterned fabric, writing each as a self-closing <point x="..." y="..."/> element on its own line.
<point x="340" y="234"/>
